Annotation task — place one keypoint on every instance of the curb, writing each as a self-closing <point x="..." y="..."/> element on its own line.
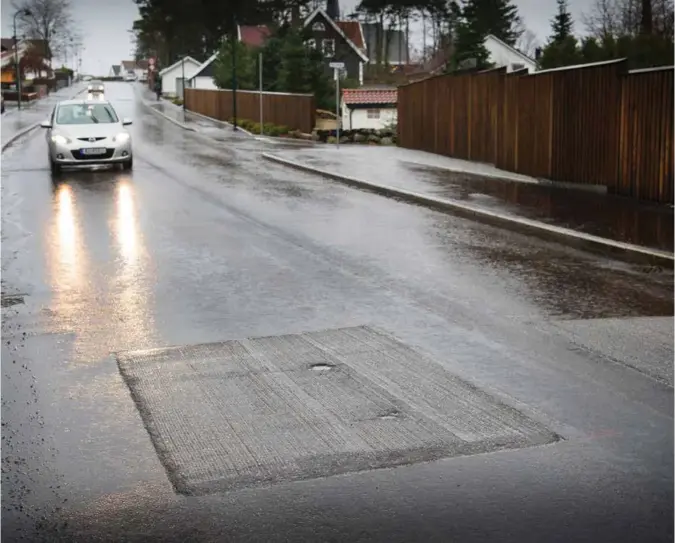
<point x="170" y="119"/>
<point x="218" y="121"/>
<point x="634" y="253"/>
<point x="30" y="128"/>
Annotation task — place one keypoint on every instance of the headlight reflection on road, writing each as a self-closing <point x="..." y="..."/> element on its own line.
<point x="67" y="230"/>
<point x="127" y="229"/>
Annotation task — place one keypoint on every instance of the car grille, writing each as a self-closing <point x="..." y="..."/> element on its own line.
<point x="79" y="156"/>
<point x="91" y="139"/>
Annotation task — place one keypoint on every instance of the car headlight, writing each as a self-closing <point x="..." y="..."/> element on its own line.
<point x="121" y="138"/>
<point x="62" y="140"/>
<point x="90" y="88"/>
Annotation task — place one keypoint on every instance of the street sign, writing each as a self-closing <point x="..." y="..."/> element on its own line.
<point x="337" y="65"/>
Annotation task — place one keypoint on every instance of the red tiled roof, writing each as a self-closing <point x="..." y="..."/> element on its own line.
<point x="352" y="30"/>
<point x="369" y="96"/>
<point x="254" y="36"/>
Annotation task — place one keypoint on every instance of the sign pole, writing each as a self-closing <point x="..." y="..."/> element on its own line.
<point x="337" y="66"/>
<point x="337" y="108"/>
<point x="260" y="77"/>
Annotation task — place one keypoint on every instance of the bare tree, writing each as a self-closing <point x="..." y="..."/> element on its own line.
<point x="603" y="19"/>
<point x="528" y="43"/>
<point x="47" y="20"/>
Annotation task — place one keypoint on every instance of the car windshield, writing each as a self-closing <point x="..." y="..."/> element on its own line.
<point x="86" y="114"/>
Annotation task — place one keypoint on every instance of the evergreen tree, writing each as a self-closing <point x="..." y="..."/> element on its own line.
<point x="477" y="19"/>
<point x="562" y="23"/>
<point x="246" y="67"/>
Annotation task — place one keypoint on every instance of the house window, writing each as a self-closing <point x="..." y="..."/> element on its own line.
<point x="373" y="113"/>
<point x="311" y="43"/>
<point x="515" y="67"/>
<point x="318" y="27"/>
<point x="328" y="48"/>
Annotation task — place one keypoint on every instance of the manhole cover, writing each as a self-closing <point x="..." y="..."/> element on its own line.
<point x="259" y="411"/>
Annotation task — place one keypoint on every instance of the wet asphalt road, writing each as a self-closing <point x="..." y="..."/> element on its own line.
<point x="205" y="242"/>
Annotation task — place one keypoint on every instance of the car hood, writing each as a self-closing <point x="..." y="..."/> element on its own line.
<point x="101" y="130"/>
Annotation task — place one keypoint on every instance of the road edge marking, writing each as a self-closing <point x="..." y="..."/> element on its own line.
<point x="540" y="229"/>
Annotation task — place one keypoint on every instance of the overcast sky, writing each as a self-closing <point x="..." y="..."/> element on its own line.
<point x="105" y="24"/>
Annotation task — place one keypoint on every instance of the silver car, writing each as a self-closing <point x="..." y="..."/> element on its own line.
<point x="84" y="132"/>
<point x="95" y="86"/>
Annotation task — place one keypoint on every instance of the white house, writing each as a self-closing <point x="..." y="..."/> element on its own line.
<point x="172" y="75"/>
<point x="138" y="68"/>
<point x="203" y="77"/>
<point x="373" y="108"/>
<point x="502" y="54"/>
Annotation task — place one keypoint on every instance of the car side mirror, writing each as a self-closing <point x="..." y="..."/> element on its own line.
<point x="45" y="124"/>
<point x="126" y="122"/>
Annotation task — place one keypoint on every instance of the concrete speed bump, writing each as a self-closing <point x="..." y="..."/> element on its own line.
<point x="259" y="411"/>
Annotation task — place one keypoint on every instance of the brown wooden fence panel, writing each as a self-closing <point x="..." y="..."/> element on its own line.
<point x="295" y="111"/>
<point x="591" y="124"/>
<point x="645" y="168"/>
<point x="586" y="101"/>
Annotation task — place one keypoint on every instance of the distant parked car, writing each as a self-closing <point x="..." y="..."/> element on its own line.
<point x="84" y="132"/>
<point x="130" y="76"/>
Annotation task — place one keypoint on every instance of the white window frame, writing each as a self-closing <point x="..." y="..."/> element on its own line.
<point x="311" y="43"/>
<point x="324" y="42"/>
<point x="373" y="114"/>
<point x="319" y="27"/>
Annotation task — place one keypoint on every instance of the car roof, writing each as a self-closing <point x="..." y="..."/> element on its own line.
<point x="97" y="81"/>
<point x="83" y="102"/>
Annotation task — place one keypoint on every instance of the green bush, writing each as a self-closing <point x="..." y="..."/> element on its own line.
<point x="177" y="101"/>
<point x="331" y="139"/>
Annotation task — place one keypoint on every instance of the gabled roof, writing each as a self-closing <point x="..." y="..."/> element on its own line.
<point x="319" y="11"/>
<point x="253" y="36"/>
<point x="206" y="69"/>
<point x="116" y="69"/>
<point x="128" y="65"/>
<point x="370" y="96"/>
<point x="178" y="63"/>
<point x="354" y="32"/>
<point x="505" y="45"/>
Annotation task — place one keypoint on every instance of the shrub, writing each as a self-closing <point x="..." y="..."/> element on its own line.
<point x="373" y="138"/>
<point x="386" y="141"/>
<point x="331" y="139"/>
<point x="359" y="138"/>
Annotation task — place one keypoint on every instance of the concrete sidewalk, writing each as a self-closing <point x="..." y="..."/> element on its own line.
<point x="486" y="187"/>
<point x="17" y="122"/>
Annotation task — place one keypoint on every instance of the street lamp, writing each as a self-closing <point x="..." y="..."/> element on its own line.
<point x="25" y="13"/>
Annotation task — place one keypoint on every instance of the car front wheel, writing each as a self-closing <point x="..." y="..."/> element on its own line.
<point x="54" y="167"/>
<point x="128" y="165"/>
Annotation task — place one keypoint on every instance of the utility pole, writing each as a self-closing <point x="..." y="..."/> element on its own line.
<point x="26" y="13"/>
<point x="234" y="73"/>
<point x="182" y="67"/>
<point x="260" y="77"/>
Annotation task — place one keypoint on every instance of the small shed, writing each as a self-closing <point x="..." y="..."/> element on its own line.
<point x="172" y="76"/>
<point x="371" y="108"/>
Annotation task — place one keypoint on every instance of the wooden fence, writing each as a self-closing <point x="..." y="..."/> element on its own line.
<point x="295" y="111"/>
<point x="592" y="124"/>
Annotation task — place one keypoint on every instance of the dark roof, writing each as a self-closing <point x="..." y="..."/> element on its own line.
<point x="394" y="38"/>
<point x="207" y="69"/>
<point x="6" y="43"/>
<point x="116" y="69"/>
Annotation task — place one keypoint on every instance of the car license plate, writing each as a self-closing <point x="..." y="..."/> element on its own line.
<point x="93" y="151"/>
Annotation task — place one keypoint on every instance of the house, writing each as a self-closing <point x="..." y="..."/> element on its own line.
<point x="338" y="41"/>
<point x="252" y="36"/>
<point x="33" y="56"/>
<point x="138" y="67"/>
<point x="372" y="108"/>
<point x="115" y="71"/>
<point x="172" y="76"/>
<point x="502" y="54"/>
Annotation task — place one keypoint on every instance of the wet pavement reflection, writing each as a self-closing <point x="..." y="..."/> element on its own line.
<point x="608" y="216"/>
<point x="205" y="242"/>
